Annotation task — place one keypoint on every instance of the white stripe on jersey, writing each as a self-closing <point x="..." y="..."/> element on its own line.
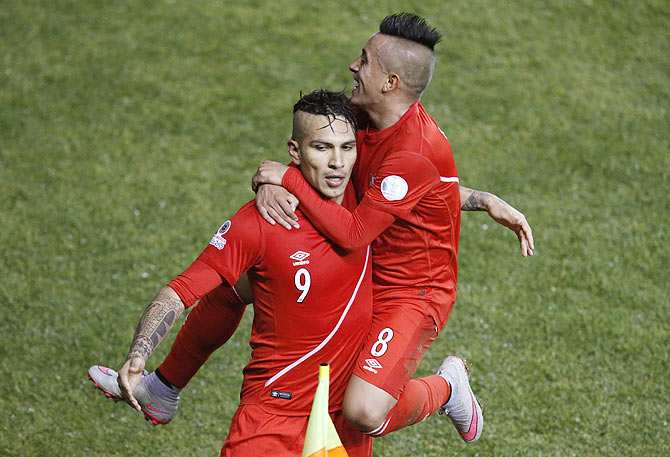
<point x="332" y="333"/>
<point x="454" y="179"/>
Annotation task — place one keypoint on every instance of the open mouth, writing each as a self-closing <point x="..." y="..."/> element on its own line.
<point x="334" y="180"/>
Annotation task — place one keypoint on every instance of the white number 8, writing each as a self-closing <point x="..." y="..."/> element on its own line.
<point x="381" y="346"/>
<point x="302" y="282"/>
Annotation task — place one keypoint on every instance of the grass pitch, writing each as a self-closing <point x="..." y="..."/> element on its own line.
<point x="129" y="131"/>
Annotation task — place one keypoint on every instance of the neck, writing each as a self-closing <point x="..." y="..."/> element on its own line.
<point x="385" y="115"/>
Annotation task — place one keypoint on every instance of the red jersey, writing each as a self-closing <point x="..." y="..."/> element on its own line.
<point x="312" y="305"/>
<point x="407" y="185"/>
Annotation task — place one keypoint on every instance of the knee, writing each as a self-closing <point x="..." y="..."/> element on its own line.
<point x="364" y="415"/>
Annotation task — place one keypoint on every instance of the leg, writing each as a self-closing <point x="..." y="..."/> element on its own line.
<point x="365" y="405"/>
<point x="381" y="397"/>
<point x="211" y="323"/>
<point x="357" y="444"/>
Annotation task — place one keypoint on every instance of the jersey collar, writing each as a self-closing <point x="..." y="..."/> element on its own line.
<point x="374" y="136"/>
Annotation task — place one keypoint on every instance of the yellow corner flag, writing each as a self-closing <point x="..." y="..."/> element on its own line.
<point x="321" y="438"/>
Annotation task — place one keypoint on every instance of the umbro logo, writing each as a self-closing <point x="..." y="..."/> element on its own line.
<point x="372" y="365"/>
<point x="299" y="258"/>
<point x="300" y="255"/>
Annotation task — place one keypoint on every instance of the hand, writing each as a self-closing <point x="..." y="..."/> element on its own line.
<point x="276" y="204"/>
<point x="130" y="375"/>
<point x="268" y="173"/>
<point x="506" y="215"/>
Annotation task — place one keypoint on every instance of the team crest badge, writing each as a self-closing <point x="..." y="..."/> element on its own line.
<point x="224" y="228"/>
<point x="218" y="241"/>
<point x="394" y="188"/>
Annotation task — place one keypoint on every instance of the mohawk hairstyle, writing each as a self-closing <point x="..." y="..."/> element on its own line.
<point x="410" y="27"/>
<point x="327" y="103"/>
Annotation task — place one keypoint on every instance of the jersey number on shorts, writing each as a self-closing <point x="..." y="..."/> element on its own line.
<point x="302" y="282"/>
<point x="382" y="344"/>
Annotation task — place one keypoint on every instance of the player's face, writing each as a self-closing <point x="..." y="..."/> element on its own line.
<point x="369" y="76"/>
<point x="326" y="153"/>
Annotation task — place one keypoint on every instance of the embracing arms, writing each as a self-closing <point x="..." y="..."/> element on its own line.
<point x="277" y="205"/>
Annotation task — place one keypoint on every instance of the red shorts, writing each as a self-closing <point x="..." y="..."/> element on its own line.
<point x="401" y="332"/>
<point x="254" y="432"/>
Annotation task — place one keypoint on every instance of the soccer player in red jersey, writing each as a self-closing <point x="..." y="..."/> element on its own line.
<point x="407" y="185"/>
<point x="312" y="301"/>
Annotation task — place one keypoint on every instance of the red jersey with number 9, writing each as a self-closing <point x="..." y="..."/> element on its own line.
<point x="312" y="305"/>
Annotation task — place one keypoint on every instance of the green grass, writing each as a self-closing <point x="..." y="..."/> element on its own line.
<point x="129" y="131"/>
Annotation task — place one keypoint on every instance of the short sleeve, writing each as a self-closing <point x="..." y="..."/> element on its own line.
<point x="236" y="246"/>
<point x="402" y="180"/>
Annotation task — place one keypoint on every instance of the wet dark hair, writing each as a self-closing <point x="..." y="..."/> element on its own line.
<point x="410" y="27"/>
<point x="327" y="103"/>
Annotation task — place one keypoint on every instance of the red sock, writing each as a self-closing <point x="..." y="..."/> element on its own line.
<point x="209" y="325"/>
<point x="421" y="398"/>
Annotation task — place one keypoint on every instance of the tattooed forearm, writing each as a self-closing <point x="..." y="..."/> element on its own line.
<point x="474" y="200"/>
<point x="472" y="203"/>
<point x="156" y="321"/>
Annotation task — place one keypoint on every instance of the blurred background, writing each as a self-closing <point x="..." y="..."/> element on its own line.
<point x="129" y="132"/>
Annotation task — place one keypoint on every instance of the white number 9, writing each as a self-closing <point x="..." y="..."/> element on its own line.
<point x="302" y="282"/>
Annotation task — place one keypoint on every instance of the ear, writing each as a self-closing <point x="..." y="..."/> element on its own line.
<point x="294" y="150"/>
<point x="392" y="82"/>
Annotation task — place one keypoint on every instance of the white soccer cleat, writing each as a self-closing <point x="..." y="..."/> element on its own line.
<point x="157" y="409"/>
<point x="462" y="407"/>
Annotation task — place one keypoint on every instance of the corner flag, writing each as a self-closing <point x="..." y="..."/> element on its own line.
<point x="321" y="439"/>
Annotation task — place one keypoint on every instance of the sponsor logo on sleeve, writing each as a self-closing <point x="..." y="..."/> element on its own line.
<point x="299" y="258"/>
<point x="218" y="241"/>
<point x="394" y="188"/>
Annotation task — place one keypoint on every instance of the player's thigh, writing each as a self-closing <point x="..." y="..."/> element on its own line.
<point x="400" y="334"/>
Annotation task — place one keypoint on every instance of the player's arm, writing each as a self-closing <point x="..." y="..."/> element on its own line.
<point x="277" y="205"/>
<point x="156" y="321"/>
<point x="159" y="317"/>
<point x="501" y="212"/>
<point x="375" y="213"/>
<point x="350" y="230"/>
<point x="243" y="246"/>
